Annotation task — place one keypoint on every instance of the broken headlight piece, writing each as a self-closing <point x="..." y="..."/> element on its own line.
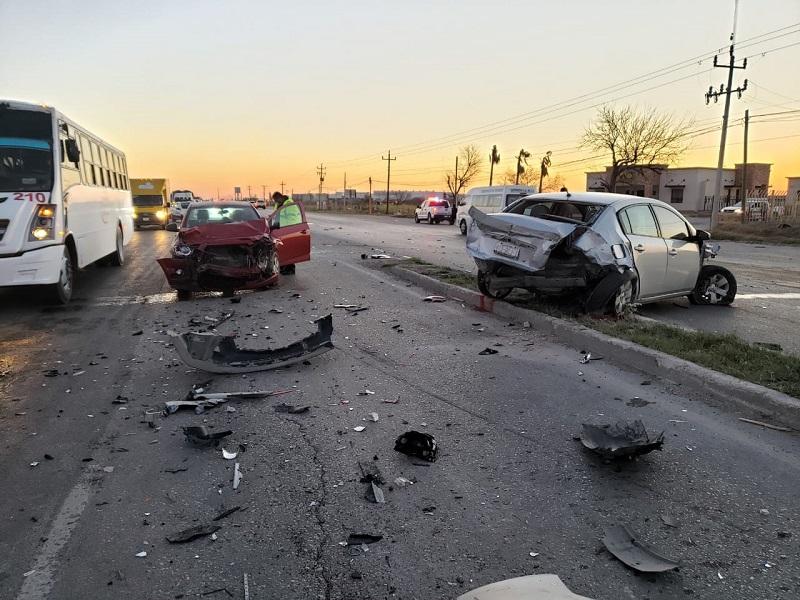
<point x="182" y="250"/>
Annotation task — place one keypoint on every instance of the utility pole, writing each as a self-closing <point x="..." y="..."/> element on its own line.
<point x="249" y="195"/>
<point x="744" y="166"/>
<point x="455" y="185"/>
<point x="344" y="190"/>
<point x="494" y="159"/>
<point x="321" y="174"/>
<point x="522" y="156"/>
<point x="264" y="194"/>
<point x="724" y="91"/>
<point x="388" y="176"/>
<point x="370" y="195"/>
<point x="282" y="184"/>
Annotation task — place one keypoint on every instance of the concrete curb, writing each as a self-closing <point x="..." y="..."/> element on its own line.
<point x="723" y="389"/>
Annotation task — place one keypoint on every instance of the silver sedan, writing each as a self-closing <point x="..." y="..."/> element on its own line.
<point x="610" y="250"/>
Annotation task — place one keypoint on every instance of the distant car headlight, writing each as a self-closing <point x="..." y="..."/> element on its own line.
<point x="161" y="214"/>
<point x="182" y="250"/>
<point x="134" y="212"/>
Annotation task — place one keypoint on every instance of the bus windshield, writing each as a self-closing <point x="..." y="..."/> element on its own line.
<point x="148" y="200"/>
<point x="24" y="168"/>
<point x="26" y="151"/>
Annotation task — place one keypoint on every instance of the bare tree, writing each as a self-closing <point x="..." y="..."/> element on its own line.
<point x="637" y="140"/>
<point x="527" y="177"/>
<point x="468" y="165"/>
<point x="553" y="183"/>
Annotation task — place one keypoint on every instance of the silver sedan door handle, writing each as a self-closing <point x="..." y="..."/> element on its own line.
<point x="639" y="248"/>
<point x="673" y="252"/>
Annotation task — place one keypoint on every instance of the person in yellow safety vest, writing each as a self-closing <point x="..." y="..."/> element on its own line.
<point x="286" y="211"/>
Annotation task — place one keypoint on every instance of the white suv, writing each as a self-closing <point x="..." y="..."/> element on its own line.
<point x="432" y="210"/>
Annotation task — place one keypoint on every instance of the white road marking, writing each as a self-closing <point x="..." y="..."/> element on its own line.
<point x="776" y="295"/>
<point x="39" y="583"/>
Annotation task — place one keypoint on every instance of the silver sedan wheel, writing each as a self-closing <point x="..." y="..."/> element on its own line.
<point x="716" y="288"/>
<point x="623" y="298"/>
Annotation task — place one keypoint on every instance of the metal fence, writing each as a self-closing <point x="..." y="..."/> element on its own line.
<point x="761" y="207"/>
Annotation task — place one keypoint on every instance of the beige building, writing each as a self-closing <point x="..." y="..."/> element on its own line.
<point x="690" y="189"/>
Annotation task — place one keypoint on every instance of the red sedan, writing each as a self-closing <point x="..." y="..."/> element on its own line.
<point x="227" y="246"/>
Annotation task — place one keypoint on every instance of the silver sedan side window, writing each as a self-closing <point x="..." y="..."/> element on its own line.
<point x="640" y="221"/>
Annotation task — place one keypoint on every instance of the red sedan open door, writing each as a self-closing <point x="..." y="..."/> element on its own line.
<point x="296" y="239"/>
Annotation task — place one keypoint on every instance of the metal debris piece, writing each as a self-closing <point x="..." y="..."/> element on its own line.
<point x="200" y="435"/>
<point x="767" y="425"/>
<point x="486" y="351"/>
<point x="366" y="393"/>
<point x="530" y="587"/>
<point x="141" y="554"/>
<point x="375" y="493"/>
<point x="669" y="521"/>
<point x="292" y="410"/>
<point x="226" y="513"/>
<point x="402" y="482"/>
<point x="586" y="358"/>
<point x="434" y="299"/>
<point x="621" y="440"/>
<point x="356" y="539"/>
<point x="359" y="428"/>
<point x="370" y="473"/>
<point x="622" y="543"/>
<point x="237" y="476"/>
<point x="380" y="256"/>
<point x="637" y="402"/>
<point x="373" y="417"/>
<point x="220" y="354"/>
<point x="192" y="533"/>
<point x="421" y="445"/>
<point x="228" y="455"/>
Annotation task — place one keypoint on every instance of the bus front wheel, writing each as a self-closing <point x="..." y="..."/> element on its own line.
<point x="61" y="291"/>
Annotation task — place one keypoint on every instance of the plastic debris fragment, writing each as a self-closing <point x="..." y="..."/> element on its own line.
<point x="192" y="533"/>
<point x="623" y="544"/>
<point x="621" y="440"/>
<point x="421" y="445"/>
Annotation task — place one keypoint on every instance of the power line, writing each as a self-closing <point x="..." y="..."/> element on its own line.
<point x="438" y="142"/>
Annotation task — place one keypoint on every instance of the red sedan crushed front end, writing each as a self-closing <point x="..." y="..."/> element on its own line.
<point x="222" y="257"/>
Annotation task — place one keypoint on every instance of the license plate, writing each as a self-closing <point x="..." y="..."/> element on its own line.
<point x="145" y="218"/>
<point x="505" y="249"/>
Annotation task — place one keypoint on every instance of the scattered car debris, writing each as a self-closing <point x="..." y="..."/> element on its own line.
<point x="530" y="587"/>
<point x="200" y="400"/>
<point x="192" y="533"/>
<point x="637" y="402"/>
<point x="624" y="545"/>
<point x="292" y="410"/>
<point x="139" y="332"/>
<point x="200" y="435"/>
<point x="228" y="455"/>
<point x="380" y="256"/>
<point x="237" y="476"/>
<point x="356" y="539"/>
<point x="375" y="493"/>
<point x="366" y="393"/>
<point x="177" y="470"/>
<point x="402" y="482"/>
<point x="141" y="554"/>
<point x="51" y="373"/>
<point x="434" y="299"/>
<point x="373" y="416"/>
<point x="769" y="346"/>
<point x="120" y="400"/>
<point x="246" y="587"/>
<point x="226" y="513"/>
<point x="220" y="354"/>
<point x="669" y="521"/>
<point x="487" y="351"/>
<point x="370" y="473"/>
<point x="421" y="445"/>
<point x="624" y="439"/>
<point x="359" y="428"/>
<point x="353" y="308"/>
<point x="767" y="425"/>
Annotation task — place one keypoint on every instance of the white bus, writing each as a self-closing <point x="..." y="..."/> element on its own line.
<point x="65" y="200"/>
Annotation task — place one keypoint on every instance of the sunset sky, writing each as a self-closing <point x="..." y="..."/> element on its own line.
<point x="216" y="94"/>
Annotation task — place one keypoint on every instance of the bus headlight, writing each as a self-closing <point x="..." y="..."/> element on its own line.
<point x="44" y="223"/>
<point x="161" y="214"/>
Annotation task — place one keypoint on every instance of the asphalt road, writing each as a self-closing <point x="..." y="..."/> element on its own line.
<point x="512" y="492"/>
<point x="767" y="308"/>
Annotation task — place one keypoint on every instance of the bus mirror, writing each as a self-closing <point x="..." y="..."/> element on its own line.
<point x="73" y="152"/>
